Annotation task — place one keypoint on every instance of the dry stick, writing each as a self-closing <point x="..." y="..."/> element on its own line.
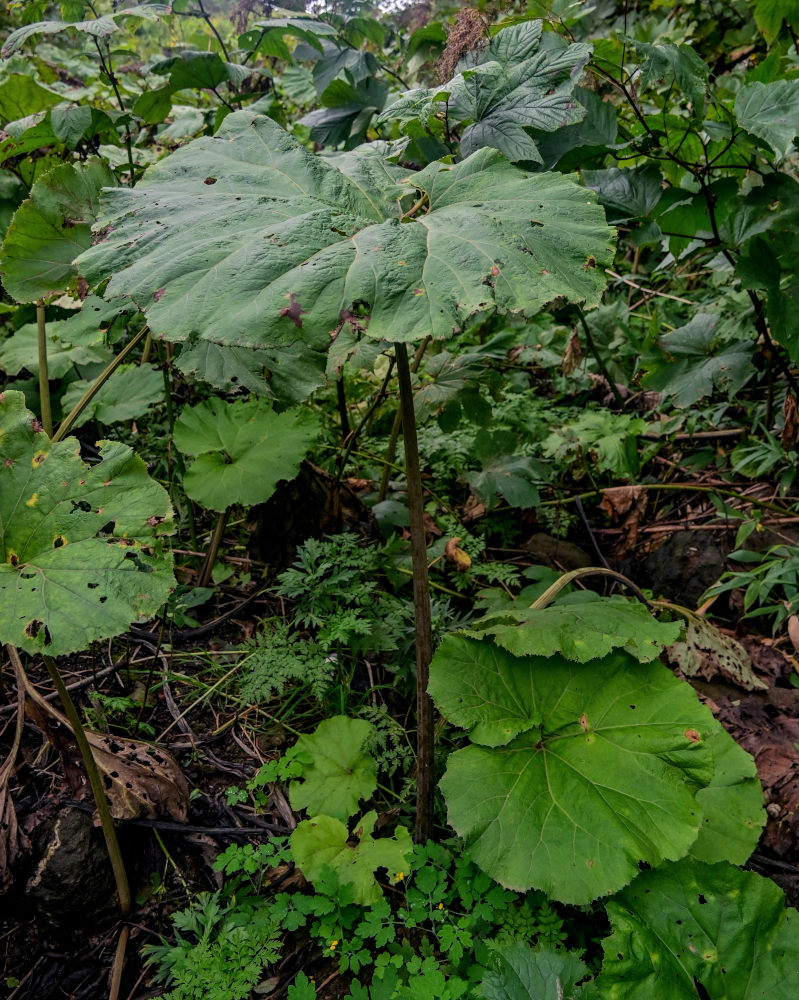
<point x="391" y="450"/>
<point x="119" y="963"/>
<point x="95" y="387"/>
<point x="598" y="358"/>
<point x="213" y="548"/>
<point x="44" y="381"/>
<point x="423" y="826"/>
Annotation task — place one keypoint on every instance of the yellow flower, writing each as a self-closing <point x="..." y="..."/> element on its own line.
<point x="441" y="906"/>
<point x="333" y="945"/>
<point x="399" y="876"/>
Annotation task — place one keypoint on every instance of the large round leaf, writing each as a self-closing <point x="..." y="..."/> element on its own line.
<point x="689" y="925"/>
<point x="586" y="770"/>
<point x="244" y="449"/>
<point x="50" y="229"/>
<point x="249" y="239"/>
<point x="80" y="552"/>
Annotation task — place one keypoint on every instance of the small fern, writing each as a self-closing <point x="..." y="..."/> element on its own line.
<point x="278" y="658"/>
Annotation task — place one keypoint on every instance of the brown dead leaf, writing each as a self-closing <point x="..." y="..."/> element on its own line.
<point x="625" y="505"/>
<point x="473" y="509"/>
<point x="572" y="356"/>
<point x="454" y="554"/>
<point x="793" y="631"/>
<point x="790" y="427"/>
<point x="708" y="653"/>
<point x="140" y="779"/>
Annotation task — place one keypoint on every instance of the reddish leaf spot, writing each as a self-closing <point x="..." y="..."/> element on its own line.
<point x="590" y="862"/>
<point x="210" y="180"/>
<point x="36" y="425"/>
<point x="8" y="463"/>
<point x="494" y="271"/>
<point x="158" y="294"/>
<point x="590" y="263"/>
<point x="692" y="735"/>
<point x="584" y="722"/>
<point x="293" y="311"/>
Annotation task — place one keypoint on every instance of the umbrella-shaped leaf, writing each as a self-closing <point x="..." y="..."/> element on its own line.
<point x="323" y="842"/>
<point x="689" y="925"/>
<point x="340" y="773"/>
<point x="243" y="449"/>
<point x="80" y="553"/>
<point x="50" y="229"/>
<point x="587" y="770"/>
<point x="249" y="239"/>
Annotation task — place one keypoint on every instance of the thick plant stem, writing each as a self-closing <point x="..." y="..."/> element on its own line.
<point x="213" y="548"/>
<point x="103" y="811"/>
<point x="95" y="387"/>
<point x="44" y="381"/>
<point x="423" y="826"/>
<point x="391" y="450"/>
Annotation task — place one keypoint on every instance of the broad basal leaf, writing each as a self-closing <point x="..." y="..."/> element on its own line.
<point x="587" y="770"/>
<point x="130" y="392"/>
<point x="21" y="349"/>
<point x="771" y="112"/>
<point x="50" y="229"/>
<point x="80" y="552"/>
<point x="339" y="772"/>
<point x="244" y="449"/>
<point x="583" y="628"/>
<point x="732" y="803"/>
<point x="324" y="842"/>
<point x="521" y="973"/>
<point x="691" y="930"/>
<point x="249" y="239"/>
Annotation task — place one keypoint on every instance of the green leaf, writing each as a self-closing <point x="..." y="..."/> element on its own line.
<point x="21" y="95"/>
<point x="21" y="350"/>
<point x="130" y="392"/>
<point x="50" y="229"/>
<point x="324" y="842"/>
<point x="238" y="267"/>
<point x="627" y="194"/>
<point x="771" y="112"/>
<point x="521" y="973"/>
<point x="244" y="449"/>
<point x="514" y="477"/>
<point x="583" y="628"/>
<point x="732" y="804"/>
<point x="340" y="773"/>
<point x="695" y="361"/>
<point x="667" y="63"/>
<point x="688" y="925"/>
<point x="769" y="15"/>
<point x="80" y="550"/>
<point x="99" y="27"/>
<point x="602" y="775"/>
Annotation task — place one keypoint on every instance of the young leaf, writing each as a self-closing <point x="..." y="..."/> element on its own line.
<point x="602" y="775"/>
<point x="80" y="553"/>
<point x="524" y="974"/>
<point x="688" y="925"/>
<point x="585" y="628"/>
<point x="130" y="392"/>
<point x="201" y="247"/>
<point x="323" y="842"/>
<point x="340" y="774"/>
<point x="50" y="229"/>
<point x="244" y="449"/>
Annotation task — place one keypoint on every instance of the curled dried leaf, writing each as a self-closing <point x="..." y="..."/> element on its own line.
<point x="454" y="554"/>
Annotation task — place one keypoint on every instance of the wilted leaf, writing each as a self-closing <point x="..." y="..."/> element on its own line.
<point x="339" y="773"/>
<point x="140" y="779"/>
<point x="81" y="555"/>
<point x="454" y="553"/>
<point x="691" y="925"/>
<point x="583" y="627"/>
<point x="708" y="653"/>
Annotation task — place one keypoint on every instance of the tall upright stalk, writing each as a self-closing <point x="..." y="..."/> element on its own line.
<point x="423" y="826"/>
<point x="44" y="380"/>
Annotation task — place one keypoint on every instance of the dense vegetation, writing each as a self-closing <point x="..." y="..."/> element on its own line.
<point x="398" y="442"/>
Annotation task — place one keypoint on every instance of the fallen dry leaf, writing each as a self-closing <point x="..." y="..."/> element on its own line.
<point x="454" y="554"/>
<point x="793" y="631"/>
<point x="572" y="356"/>
<point x="708" y="653"/>
<point x="625" y="505"/>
